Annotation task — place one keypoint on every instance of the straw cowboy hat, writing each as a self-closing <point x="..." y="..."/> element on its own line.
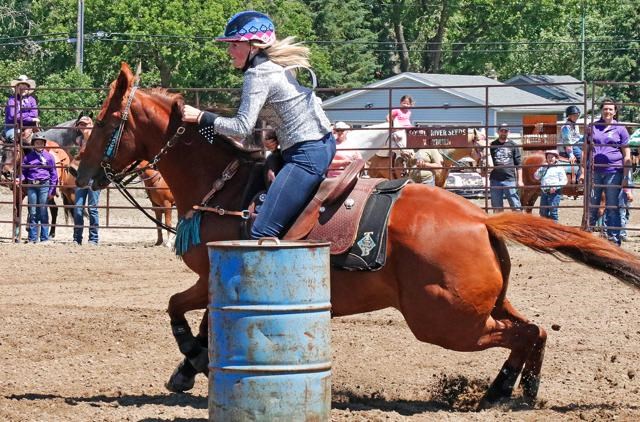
<point x="552" y="152"/>
<point x="23" y="79"/>
<point x="341" y="126"/>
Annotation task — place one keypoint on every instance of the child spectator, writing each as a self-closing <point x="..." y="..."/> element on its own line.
<point x="552" y="178"/>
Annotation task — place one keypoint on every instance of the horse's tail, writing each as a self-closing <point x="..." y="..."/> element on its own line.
<point x="543" y="235"/>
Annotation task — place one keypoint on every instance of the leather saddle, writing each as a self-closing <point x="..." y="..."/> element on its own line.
<point x="326" y="195"/>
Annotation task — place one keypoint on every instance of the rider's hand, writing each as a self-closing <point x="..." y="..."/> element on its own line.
<point x="191" y="114"/>
<point x="270" y="144"/>
<point x="581" y="178"/>
<point x="572" y="159"/>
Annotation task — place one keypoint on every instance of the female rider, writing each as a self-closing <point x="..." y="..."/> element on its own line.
<point x="302" y="128"/>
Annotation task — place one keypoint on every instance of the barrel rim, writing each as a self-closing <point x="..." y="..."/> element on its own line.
<point x="253" y="244"/>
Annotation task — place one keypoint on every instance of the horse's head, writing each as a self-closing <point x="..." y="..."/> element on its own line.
<point x="121" y="130"/>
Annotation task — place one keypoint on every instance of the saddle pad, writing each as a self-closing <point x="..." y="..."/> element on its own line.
<point x="369" y="253"/>
<point x="338" y="223"/>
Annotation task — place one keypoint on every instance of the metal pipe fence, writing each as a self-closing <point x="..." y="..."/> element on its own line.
<point x="116" y="212"/>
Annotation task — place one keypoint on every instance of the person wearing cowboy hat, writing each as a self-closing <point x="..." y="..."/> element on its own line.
<point x="552" y="178"/>
<point x="22" y="107"/>
<point x="40" y="177"/>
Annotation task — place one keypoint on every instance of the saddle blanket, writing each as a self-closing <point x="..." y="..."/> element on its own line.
<point x="369" y="252"/>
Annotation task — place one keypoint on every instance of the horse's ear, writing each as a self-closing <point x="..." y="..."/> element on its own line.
<point x="125" y="79"/>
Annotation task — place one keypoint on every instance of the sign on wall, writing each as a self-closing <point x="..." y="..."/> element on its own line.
<point x="441" y="137"/>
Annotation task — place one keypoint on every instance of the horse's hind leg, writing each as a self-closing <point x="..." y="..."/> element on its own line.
<point x="521" y="338"/>
<point x="530" y="380"/>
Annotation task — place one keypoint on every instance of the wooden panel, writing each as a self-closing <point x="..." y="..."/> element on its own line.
<point x="548" y="121"/>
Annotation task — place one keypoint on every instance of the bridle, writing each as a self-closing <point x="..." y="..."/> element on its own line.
<point x="111" y="149"/>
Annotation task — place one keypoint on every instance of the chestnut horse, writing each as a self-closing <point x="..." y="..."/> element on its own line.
<point x="160" y="196"/>
<point x="531" y="190"/>
<point x="447" y="267"/>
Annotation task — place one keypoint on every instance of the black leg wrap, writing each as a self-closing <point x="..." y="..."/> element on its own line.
<point x="201" y="361"/>
<point x="186" y="369"/>
<point x="204" y="341"/>
<point x="187" y="343"/>
<point x="501" y="387"/>
<point x="530" y="384"/>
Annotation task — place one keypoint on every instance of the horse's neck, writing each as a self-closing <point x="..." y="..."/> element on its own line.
<point x="191" y="166"/>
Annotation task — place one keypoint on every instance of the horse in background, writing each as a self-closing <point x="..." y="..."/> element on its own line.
<point x="376" y="137"/>
<point x="160" y="196"/>
<point x="446" y="298"/>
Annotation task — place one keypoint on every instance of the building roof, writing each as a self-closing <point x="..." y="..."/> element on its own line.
<point x="469" y="87"/>
<point x="565" y="93"/>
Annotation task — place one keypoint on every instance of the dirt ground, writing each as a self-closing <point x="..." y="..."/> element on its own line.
<point x="84" y="337"/>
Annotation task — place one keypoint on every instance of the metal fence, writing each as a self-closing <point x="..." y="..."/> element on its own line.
<point x="115" y="212"/>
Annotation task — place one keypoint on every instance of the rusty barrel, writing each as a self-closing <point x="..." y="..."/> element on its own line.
<point x="269" y="331"/>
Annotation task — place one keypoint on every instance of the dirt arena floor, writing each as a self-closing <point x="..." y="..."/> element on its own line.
<point x="84" y="337"/>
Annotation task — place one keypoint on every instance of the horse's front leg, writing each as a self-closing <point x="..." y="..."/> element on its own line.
<point x="193" y="348"/>
<point x="53" y="209"/>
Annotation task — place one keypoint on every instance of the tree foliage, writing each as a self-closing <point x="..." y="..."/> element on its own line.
<point x="353" y="42"/>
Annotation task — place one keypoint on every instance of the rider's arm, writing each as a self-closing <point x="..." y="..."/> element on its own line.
<point x="255" y="90"/>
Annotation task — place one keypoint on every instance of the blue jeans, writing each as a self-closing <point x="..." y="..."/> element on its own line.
<point x="38" y="213"/>
<point x="611" y="193"/>
<point x="552" y="200"/>
<point x="305" y="165"/>
<point x="86" y="195"/>
<point x="501" y="189"/>
<point x="625" y="214"/>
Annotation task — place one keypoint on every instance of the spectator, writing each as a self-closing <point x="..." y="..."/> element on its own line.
<point x="22" y="108"/>
<point x="611" y="158"/>
<point x="39" y="171"/>
<point x="506" y="175"/>
<point x="570" y="137"/>
<point x="85" y="197"/>
<point x="426" y="161"/>
<point x="342" y="158"/>
<point x="401" y="117"/>
<point x="552" y="178"/>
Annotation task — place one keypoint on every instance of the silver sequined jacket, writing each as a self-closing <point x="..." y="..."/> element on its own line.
<point x="272" y="93"/>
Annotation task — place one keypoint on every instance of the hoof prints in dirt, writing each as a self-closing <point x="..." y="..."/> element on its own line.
<point x="452" y="394"/>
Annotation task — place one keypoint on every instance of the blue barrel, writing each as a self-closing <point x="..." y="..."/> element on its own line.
<point x="269" y="338"/>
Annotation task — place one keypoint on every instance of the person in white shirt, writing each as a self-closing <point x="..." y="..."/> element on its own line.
<point x="552" y="178"/>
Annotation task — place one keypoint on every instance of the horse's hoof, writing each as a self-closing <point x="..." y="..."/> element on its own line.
<point x="179" y="382"/>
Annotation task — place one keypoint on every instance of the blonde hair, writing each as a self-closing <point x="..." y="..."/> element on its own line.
<point x="286" y="52"/>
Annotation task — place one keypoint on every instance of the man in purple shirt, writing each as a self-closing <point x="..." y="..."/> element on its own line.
<point x="611" y="158"/>
<point x="40" y="175"/>
<point x="22" y="108"/>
